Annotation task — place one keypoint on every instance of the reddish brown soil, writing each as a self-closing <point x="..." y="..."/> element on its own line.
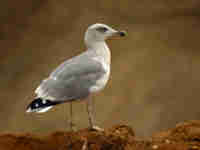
<point x="185" y="136"/>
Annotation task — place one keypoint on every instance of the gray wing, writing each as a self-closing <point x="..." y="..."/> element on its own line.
<point x="71" y="80"/>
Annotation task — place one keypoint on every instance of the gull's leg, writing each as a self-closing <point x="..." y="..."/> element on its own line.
<point x="72" y="125"/>
<point x="91" y="115"/>
<point x="90" y="112"/>
<point x="71" y="116"/>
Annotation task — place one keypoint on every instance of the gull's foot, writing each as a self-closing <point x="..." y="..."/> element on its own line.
<point x="96" y="128"/>
<point x="73" y="127"/>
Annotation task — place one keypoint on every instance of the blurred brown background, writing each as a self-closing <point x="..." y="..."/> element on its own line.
<point x="155" y="80"/>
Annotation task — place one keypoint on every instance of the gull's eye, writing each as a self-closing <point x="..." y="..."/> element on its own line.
<point x="102" y="29"/>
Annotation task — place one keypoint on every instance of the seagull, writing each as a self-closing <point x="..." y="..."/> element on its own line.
<point x="79" y="77"/>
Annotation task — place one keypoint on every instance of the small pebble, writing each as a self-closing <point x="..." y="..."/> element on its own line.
<point x="155" y="146"/>
<point x="117" y="131"/>
<point x="195" y="147"/>
<point x="167" y="141"/>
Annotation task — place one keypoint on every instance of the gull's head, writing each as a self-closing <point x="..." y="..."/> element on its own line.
<point x="100" y="32"/>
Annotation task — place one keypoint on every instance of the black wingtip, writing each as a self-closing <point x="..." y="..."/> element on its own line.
<point x="40" y="104"/>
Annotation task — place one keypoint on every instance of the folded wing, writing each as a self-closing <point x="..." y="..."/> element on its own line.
<point x="71" y="80"/>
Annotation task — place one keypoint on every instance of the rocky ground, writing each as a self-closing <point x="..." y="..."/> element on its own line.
<point x="185" y="136"/>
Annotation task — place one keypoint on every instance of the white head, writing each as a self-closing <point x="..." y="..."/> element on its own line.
<point x="99" y="33"/>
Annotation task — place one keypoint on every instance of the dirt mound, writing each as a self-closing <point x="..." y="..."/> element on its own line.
<point x="185" y="136"/>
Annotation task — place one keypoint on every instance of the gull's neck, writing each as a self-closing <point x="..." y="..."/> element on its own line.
<point x="101" y="50"/>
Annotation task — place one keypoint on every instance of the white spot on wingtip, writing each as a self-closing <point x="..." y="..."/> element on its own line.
<point x="44" y="109"/>
<point x="44" y="101"/>
<point x="36" y="105"/>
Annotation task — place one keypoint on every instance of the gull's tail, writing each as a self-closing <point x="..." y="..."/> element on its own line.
<point x="40" y="105"/>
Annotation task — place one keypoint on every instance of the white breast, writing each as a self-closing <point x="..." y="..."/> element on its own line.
<point x="100" y="84"/>
<point x="102" y="55"/>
